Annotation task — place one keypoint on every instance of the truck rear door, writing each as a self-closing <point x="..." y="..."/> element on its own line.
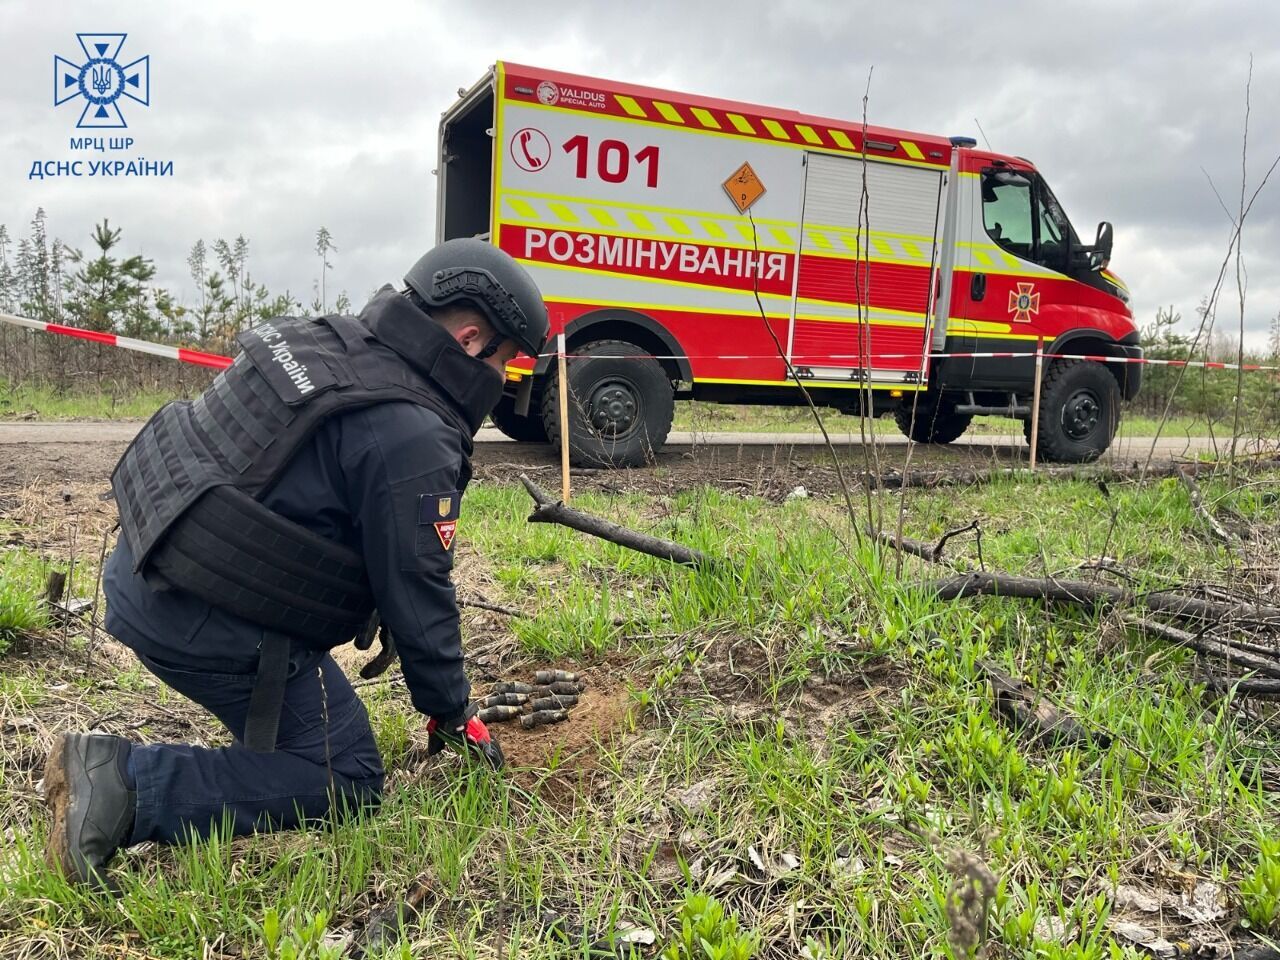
<point x="889" y="268"/>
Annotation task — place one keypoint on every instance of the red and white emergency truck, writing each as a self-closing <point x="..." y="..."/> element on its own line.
<point x="660" y="226"/>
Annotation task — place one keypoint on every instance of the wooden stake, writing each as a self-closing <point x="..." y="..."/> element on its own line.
<point x="1035" y="400"/>
<point x="562" y="367"/>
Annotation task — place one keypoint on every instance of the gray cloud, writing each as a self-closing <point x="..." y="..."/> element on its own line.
<point x="282" y="117"/>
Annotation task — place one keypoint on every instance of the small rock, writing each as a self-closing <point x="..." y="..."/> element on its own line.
<point x="798" y="493"/>
<point x="1051" y="929"/>
<point x="695" y="798"/>
<point x="1136" y="898"/>
<point x="630" y="933"/>
<point x="1204" y="904"/>
<point x="1144" y="937"/>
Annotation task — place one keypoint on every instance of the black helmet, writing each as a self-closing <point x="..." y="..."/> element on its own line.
<point x="472" y="271"/>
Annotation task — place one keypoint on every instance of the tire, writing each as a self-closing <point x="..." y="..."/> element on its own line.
<point x="620" y="405"/>
<point x="1079" y="411"/>
<point x="935" y="422"/>
<point x="527" y="429"/>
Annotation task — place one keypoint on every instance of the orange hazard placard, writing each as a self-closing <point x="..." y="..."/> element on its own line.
<point x="743" y="187"/>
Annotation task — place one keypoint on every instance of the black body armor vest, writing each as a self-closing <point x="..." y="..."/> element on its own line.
<point x="189" y="485"/>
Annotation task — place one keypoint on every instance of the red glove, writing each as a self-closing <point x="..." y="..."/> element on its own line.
<point x="466" y="734"/>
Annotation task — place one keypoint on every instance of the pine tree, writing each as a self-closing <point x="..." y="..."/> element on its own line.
<point x="111" y="295"/>
<point x="8" y="279"/>
<point x="196" y="261"/>
<point x="37" y="281"/>
<point x="234" y="260"/>
<point x="324" y="243"/>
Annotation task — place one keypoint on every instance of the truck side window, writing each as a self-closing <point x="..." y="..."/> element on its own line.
<point x="1006" y="211"/>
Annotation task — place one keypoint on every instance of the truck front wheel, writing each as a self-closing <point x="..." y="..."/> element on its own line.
<point x="1079" y="411"/>
<point x="621" y="403"/>
<point x="933" y="421"/>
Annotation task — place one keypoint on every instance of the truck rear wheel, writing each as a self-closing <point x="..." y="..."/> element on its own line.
<point x="620" y="405"/>
<point x="1079" y="411"/>
<point x="526" y="429"/>
<point x="931" y="422"/>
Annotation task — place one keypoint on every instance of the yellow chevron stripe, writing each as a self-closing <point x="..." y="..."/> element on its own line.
<point x="678" y="226"/>
<point x="841" y="138"/>
<point x="741" y="123"/>
<point x="775" y="128"/>
<point x="629" y="104"/>
<point x="819" y="239"/>
<point x="912" y="150"/>
<point x="562" y="212"/>
<point x="809" y="134"/>
<point x="522" y="208"/>
<point x="602" y="217"/>
<point x="705" y="118"/>
<point x="668" y="112"/>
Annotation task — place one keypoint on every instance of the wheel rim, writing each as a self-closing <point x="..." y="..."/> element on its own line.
<point x="614" y="409"/>
<point x="1081" y="414"/>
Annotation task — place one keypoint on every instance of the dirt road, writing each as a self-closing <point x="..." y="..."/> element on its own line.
<point x="86" y="451"/>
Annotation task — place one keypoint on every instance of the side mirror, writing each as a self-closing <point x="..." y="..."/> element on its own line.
<point x="1102" y="246"/>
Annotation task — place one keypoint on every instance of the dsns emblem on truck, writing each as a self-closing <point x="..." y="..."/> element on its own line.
<point x="101" y="80"/>
<point x="1023" y="302"/>
<point x="548" y="93"/>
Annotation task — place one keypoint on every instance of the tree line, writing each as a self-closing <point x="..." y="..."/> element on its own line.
<point x="100" y="289"/>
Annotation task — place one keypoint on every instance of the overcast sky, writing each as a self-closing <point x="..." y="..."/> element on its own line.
<point x="280" y="117"/>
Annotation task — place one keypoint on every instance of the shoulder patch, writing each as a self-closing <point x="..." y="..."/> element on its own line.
<point x="441" y="511"/>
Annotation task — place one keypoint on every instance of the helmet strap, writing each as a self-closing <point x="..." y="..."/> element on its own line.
<point x="491" y="347"/>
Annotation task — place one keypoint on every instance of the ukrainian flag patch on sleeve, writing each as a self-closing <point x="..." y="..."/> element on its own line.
<point x="441" y="511"/>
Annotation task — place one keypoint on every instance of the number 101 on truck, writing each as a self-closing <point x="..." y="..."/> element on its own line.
<point x="690" y="247"/>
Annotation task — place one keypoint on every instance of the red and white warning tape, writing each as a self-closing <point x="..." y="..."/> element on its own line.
<point x="219" y="362"/>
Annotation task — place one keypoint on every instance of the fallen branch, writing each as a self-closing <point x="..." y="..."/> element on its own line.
<point x="1097" y="594"/>
<point x="918" y="548"/>
<point x="1026" y="708"/>
<point x="1262" y="689"/>
<point x="1197" y="504"/>
<point x="547" y="510"/>
<point x="1269" y="667"/>
<point x="491" y="607"/>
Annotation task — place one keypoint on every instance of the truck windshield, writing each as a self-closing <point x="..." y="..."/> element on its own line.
<point x="1022" y="216"/>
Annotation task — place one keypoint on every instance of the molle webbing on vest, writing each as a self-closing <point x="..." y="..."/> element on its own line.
<point x="236" y="554"/>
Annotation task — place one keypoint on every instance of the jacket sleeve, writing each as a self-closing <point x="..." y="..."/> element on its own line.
<point x="401" y="464"/>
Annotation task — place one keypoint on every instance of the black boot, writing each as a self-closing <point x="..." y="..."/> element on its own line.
<point x="92" y="805"/>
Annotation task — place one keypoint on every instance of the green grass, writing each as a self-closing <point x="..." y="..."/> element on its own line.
<point x="812" y="746"/>
<point x="714" y="417"/>
<point x="22" y="580"/>
<point x="21" y="401"/>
